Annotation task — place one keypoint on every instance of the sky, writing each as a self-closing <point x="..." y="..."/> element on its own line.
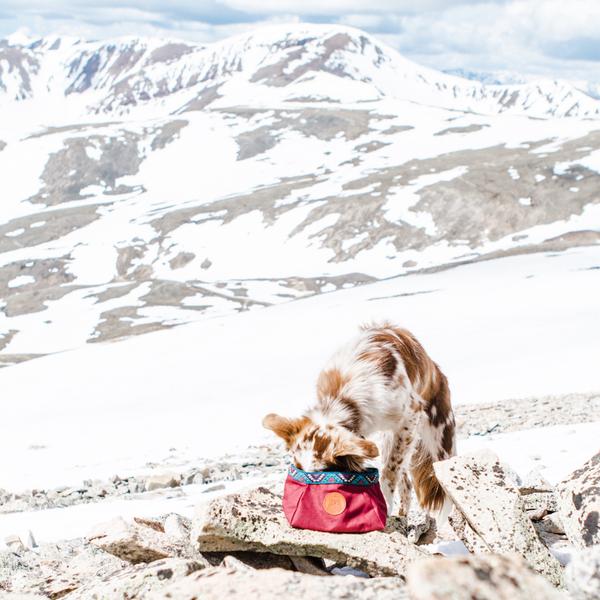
<point x="539" y="38"/>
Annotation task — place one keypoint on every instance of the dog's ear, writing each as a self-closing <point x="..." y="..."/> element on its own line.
<point x="356" y="447"/>
<point x="286" y="429"/>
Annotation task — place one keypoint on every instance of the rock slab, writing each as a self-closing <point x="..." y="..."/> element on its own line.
<point x="136" y="581"/>
<point x="137" y="541"/>
<point x="254" y="521"/>
<point x="481" y="577"/>
<point x="579" y="504"/>
<point x="278" y="584"/>
<point x="583" y="575"/>
<point x="494" y="509"/>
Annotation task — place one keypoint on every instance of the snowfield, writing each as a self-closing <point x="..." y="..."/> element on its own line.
<point x="514" y="327"/>
<point x="162" y="183"/>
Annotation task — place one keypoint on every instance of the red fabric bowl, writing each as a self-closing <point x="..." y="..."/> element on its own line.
<point x="334" y="501"/>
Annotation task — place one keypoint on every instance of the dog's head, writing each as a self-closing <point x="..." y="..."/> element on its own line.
<point x="317" y="447"/>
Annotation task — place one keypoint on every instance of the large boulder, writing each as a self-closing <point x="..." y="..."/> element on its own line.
<point x="140" y="541"/>
<point x="583" y="574"/>
<point x="255" y="521"/>
<point x="579" y="504"/>
<point x="136" y="581"/>
<point x="275" y="584"/>
<point x="484" y="577"/>
<point x="494" y="510"/>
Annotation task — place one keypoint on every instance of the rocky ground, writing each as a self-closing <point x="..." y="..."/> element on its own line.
<point x="269" y="460"/>
<point x="239" y="545"/>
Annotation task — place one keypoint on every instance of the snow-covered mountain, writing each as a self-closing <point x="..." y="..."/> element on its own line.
<point x="275" y="64"/>
<point x="147" y="183"/>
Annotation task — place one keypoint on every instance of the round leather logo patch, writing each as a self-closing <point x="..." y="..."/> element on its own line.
<point x="334" y="503"/>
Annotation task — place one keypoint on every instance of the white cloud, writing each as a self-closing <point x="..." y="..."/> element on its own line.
<point x="341" y="7"/>
<point x="536" y="37"/>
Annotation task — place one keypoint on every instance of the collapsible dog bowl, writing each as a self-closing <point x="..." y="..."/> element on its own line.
<point x="335" y="501"/>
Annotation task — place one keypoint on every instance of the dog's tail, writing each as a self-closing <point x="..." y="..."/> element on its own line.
<point x="430" y="494"/>
<point x="437" y="443"/>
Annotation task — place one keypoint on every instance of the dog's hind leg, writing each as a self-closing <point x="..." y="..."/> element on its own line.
<point x="396" y="459"/>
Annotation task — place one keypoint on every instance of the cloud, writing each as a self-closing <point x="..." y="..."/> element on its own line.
<point x="536" y="37"/>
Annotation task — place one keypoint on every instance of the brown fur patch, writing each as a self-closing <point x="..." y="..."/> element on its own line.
<point x="383" y="357"/>
<point x="351" y="454"/>
<point x="429" y="492"/>
<point x="438" y="407"/>
<point x="286" y="429"/>
<point x="331" y="383"/>
<point x="448" y="439"/>
<point x="353" y="422"/>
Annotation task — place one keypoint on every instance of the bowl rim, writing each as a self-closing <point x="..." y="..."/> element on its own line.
<point x="369" y="476"/>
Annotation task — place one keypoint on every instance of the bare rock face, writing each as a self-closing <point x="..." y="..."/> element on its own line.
<point x="278" y="584"/>
<point x="137" y="542"/>
<point x="484" y="577"/>
<point x="494" y="510"/>
<point x="162" y="480"/>
<point x="579" y="504"/>
<point x="136" y="581"/>
<point x="54" y="570"/>
<point x="583" y="575"/>
<point x="255" y="521"/>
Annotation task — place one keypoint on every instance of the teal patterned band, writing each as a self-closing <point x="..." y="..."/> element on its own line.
<point x="364" y="478"/>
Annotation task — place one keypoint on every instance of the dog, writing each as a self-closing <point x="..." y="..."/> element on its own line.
<point x="382" y="382"/>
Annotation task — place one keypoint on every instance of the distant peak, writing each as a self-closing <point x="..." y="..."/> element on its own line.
<point x="21" y="37"/>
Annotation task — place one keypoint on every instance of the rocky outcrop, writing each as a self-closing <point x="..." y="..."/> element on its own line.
<point x="162" y="480"/>
<point x="583" y="575"/>
<point x="483" y="577"/>
<point x="579" y="504"/>
<point x="254" y="521"/>
<point x="137" y="581"/>
<point x="494" y="510"/>
<point x="275" y="584"/>
<point x="54" y="570"/>
<point x="241" y="546"/>
<point x="140" y="541"/>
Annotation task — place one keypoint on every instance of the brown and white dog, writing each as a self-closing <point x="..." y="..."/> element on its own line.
<point x="382" y="382"/>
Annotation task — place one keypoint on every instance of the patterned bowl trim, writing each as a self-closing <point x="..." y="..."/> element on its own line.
<point x="365" y="478"/>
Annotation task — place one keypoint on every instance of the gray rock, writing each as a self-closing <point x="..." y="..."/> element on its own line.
<point x="482" y="577"/>
<point x="231" y="562"/>
<point x="162" y="480"/>
<point x="536" y="500"/>
<point x="552" y="524"/>
<point x="583" y="574"/>
<point x="469" y="537"/>
<point x="136" y="581"/>
<point x="14" y="543"/>
<point x="494" y="509"/>
<point x="217" y="487"/>
<point x="309" y="565"/>
<point x="579" y="504"/>
<point x="54" y="570"/>
<point x="135" y="542"/>
<point x="275" y="584"/>
<point x="535" y="481"/>
<point x="255" y="521"/>
<point x="176" y="527"/>
<point x="19" y="596"/>
<point x="253" y="560"/>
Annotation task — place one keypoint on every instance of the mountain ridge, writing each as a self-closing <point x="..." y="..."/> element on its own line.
<point x="130" y="71"/>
